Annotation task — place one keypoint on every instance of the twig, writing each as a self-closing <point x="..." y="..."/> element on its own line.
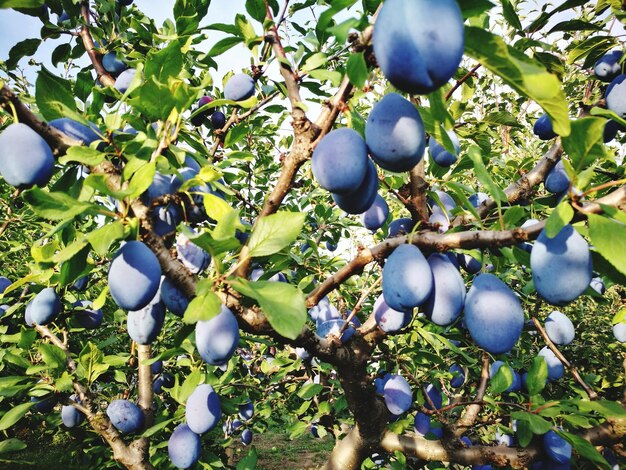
<point x="462" y="80"/>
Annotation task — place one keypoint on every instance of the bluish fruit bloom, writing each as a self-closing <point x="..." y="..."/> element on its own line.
<point x="145" y="325"/>
<point x="376" y="216"/>
<point x="239" y="87"/>
<point x="398" y="395"/>
<point x="202" y="409"/>
<point x="447" y="297"/>
<point x="25" y="158"/>
<point x="112" y="64"/>
<point x="458" y="376"/>
<point x="400" y="226"/>
<point x="362" y="198"/>
<point x="557" y="179"/>
<point x="86" y="316"/>
<point x="421" y="424"/>
<point x="439" y="153"/>
<point x="45" y="307"/>
<point x="435" y="396"/>
<point x="124" y="79"/>
<point x="407" y="278"/>
<point x="184" y="447"/>
<point x="217" y="338"/>
<point x="608" y="66"/>
<point x="246" y="437"/>
<point x="559" y="328"/>
<point x="388" y="319"/>
<point x="76" y="130"/>
<point x="543" y="128"/>
<point x="125" y="416"/>
<point x="555" y="366"/>
<point x="557" y="448"/>
<point x="616" y="96"/>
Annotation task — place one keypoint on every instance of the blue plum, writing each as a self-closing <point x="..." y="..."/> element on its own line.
<point x="80" y="284"/>
<point x="555" y="366"/>
<point x="619" y="332"/>
<point x="447" y="297"/>
<point x="246" y="437"/>
<point x="419" y="43"/>
<point x="400" y="226"/>
<point x="239" y="87"/>
<point x="478" y="198"/>
<point x="112" y="64"/>
<point x="45" y="307"/>
<point x="124" y="79"/>
<point x="164" y="380"/>
<point x="3" y="309"/>
<point x="145" y="325"/>
<point x="388" y="319"/>
<point x="76" y="130"/>
<point x="340" y="162"/>
<point x="217" y="338"/>
<point x="165" y="219"/>
<point x="218" y="120"/>
<point x="134" y="276"/>
<point x="324" y="328"/>
<point x="561" y="266"/>
<point x="517" y="380"/>
<point x="4" y="283"/>
<point x="458" y="376"/>
<point x="376" y="216"/>
<point x="331" y="246"/>
<point x="435" y="396"/>
<point x="86" y="316"/>
<point x="557" y="448"/>
<point x="597" y="284"/>
<point x="156" y="367"/>
<point x="503" y="439"/>
<point x="407" y="278"/>
<point x="397" y="394"/>
<point x="125" y="416"/>
<point x="71" y="417"/>
<point x="379" y="382"/>
<point x="362" y="198"/>
<point x="246" y="411"/>
<point x="440" y="155"/>
<point x="616" y="96"/>
<point x="469" y="264"/>
<point x="235" y="425"/>
<point x="559" y="328"/>
<point x="493" y="314"/>
<point x="447" y="203"/>
<point x="173" y="298"/>
<point x="203" y="410"/>
<point x="44" y="404"/>
<point x="184" y="447"/>
<point x="421" y="424"/>
<point x="25" y="158"/>
<point x="191" y="255"/>
<point x="163" y="184"/>
<point x="543" y="128"/>
<point x="608" y="66"/>
<point x="557" y="179"/>
<point x="611" y="128"/>
<point x="394" y="134"/>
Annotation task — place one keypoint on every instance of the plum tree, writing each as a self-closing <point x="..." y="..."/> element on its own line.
<point x="25" y="157"/>
<point x="185" y="200"/>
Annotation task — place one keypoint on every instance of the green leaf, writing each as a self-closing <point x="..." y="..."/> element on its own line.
<point x="609" y="238"/>
<point x="483" y="176"/>
<point x="585" y="449"/>
<point x="91" y="362"/>
<point x="274" y="232"/>
<point x="11" y="445"/>
<point x="81" y="154"/>
<point x="223" y="45"/>
<point x="356" y="69"/>
<point x="283" y="304"/>
<point x="156" y="100"/>
<point x="527" y="76"/>
<point x="152" y="430"/>
<point x="188" y="14"/>
<point x="537" y="376"/>
<point x="523" y="433"/>
<point x="52" y="355"/>
<point x="25" y="48"/>
<point x="472" y="8"/>
<point x="585" y="144"/>
<point x="537" y="424"/>
<point x="203" y="307"/>
<point x="14" y="415"/>
<point x="56" y="205"/>
<point x="256" y="9"/>
<point x="510" y="15"/>
<point x="560" y="217"/>
<point x="604" y="407"/>
<point x="189" y="385"/>
<point x="619" y="317"/>
<point x="21" y="3"/>
<point x="309" y="391"/>
<point x="49" y="92"/>
<point x="249" y="462"/>
<point x="164" y="63"/>
<point x="101" y="239"/>
<point x="502" y="380"/>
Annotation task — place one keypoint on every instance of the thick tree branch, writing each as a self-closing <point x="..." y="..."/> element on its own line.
<point x="470" y="413"/>
<point x="96" y="58"/>
<point x="418" y="203"/>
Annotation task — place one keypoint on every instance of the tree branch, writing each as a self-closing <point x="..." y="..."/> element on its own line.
<point x="96" y="58"/>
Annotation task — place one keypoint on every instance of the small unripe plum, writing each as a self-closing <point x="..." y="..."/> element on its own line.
<point x="362" y="198"/>
<point x="561" y="266"/>
<point x="112" y="64"/>
<point x="184" y="447"/>
<point x="419" y="43"/>
<point x="557" y="179"/>
<point x="619" y="331"/>
<point x="439" y="153"/>
<point x="555" y="366"/>
<point x="559" y="328"/>
<point x="145" y="325"/>
<point x="421" y="424"/>
<point x="71" y="417"/>
<point x="608" y="66"/>
<point x="398" y="395"/>
<point x="403" y="225"/>
<point x="202" y="410"/>
<point x="246" y="411"/>
<point x="543" y="128"/>
<point x="25" y="158"/>
<point x="173" y="298"/>
<point x="134" y="276"/>
<point x="447" y="297"/>
<point x="493" y="314"/>
<point x="125" y="416"/>
<point x="217" y="338"/>
<point x="191" y="255"/>
<point x="376" y="216"/>
<point x="124" y="79"/>
<point x="86" y="316"/>
<point x="45" y="307"/>
<point x="4" y="283"/>
<point x="616" y="96"/>
<point x="458" y="376"/>
<point x="394" y="134"/>
<point x="557" y="448"/>
<point x="239" y="87"/>
<point x="339" y="161"/>
<point x="388" y="319"/>
<point x="218" y="120"/>
<point x="246" y="437"/>
<point x="407" y="278"/>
